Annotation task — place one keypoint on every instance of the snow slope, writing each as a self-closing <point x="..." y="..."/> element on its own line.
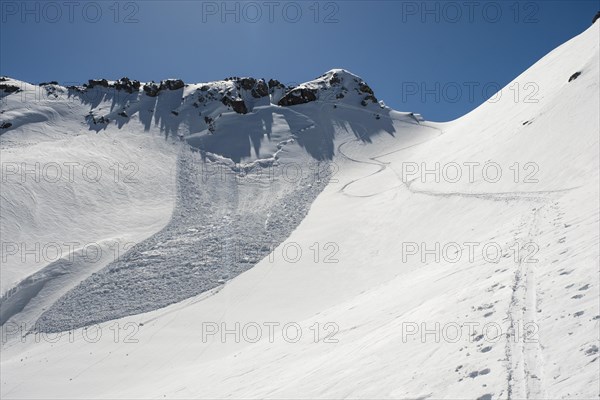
<point x="72" y="201"/>
<point x="379" y="317"/>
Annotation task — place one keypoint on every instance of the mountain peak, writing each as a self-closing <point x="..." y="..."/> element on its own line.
<point x="335" y="85"/>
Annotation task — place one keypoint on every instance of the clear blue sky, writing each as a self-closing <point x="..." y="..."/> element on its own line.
<point x="398" y="47"/>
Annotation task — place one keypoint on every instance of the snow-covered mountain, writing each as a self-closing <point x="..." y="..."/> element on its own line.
<point x="246" y="239"/>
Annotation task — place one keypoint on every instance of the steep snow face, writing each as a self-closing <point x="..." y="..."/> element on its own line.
<point x="269" y="173"/>
<point x="404" y="283"/>
<point x="62" y="184"/>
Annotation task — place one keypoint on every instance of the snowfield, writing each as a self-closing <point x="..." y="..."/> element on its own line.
<point x="304" y="242"/>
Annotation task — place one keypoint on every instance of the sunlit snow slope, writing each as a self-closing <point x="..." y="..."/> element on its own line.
<point x="506" y="308"/>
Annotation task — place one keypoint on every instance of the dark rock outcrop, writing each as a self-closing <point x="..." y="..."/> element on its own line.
<point x="574" y="76"/>
<point x="5" y="125"/>
<point x="128" y="85"/>
<point x="363" y="87"/>
<point x="124" y="84"/>
<point x="6" y="88"/>
<point x="260" y="90"/>
<point x="298" y="96"/>
<point x="275" y="84"/>
<point x="335" y="79"/>
<point x="151" y="89"/>
<point x="96" y="82"/>
<point x="238" y="105"/>
<point x="596" y="18"/>
<point x="372" y="98"/>
<point x="247" y="83"/>
<point x="172" y="84"/>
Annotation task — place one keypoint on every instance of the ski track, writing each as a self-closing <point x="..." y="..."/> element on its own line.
<point x="523" y="350"/>
<point x="524" y="358"/>
<point x="373" y="161"/>
<point x="493" y="196"/>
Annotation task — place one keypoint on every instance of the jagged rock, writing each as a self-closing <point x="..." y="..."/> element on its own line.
<point x="75" y="88"/>
<point x="367" y="98"/>
<point x="123" y="114"/>
<point x="211" y="124"/>
<point x="247" y="83"/>
<point x="48" y="83"/>
<point x="96" y="82"/>
<point x="363" y="87"/>
<point x="174" y="113"/>
<point x="6" y="88"/>
<point x="127" y="85"/>
<point x="238" y="105"/>
<point x="298" y="96"/>
<point x="274" y="83"/>
<point x="172" y="84"/>
<point x="260" y="90"/>
<point x="51" y="90"/>
<point x="574" y="76"/>
<point x="371" y="97"/>
<point x="3" y="79"/>
<point x="596" y="17"/>
<point x="151" y="89"/>
<point x="5" y="125"/>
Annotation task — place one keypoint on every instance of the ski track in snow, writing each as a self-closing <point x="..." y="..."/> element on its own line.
<point x="170" y="268"/>
<point x="373" y="161"/>
<point x="524" y="359"/>
<point x="523" y="351"/>
<point x="493" y="196"/>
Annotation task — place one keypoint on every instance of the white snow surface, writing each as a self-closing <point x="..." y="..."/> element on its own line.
<point x="402" y="326"/>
